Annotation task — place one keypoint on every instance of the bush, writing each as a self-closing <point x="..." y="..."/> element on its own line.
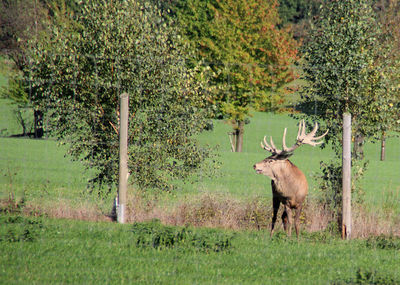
<point x="12" y="205"/>
<point x="330" y="184"/>
<point x="78" y="71"/>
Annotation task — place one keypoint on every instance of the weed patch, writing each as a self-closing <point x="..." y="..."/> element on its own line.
<point x="154" y="234"/>
<point x="19" y="229"/>
<point x="384" y="242"/>
<point x="367" y="276"/>
<point x="12" y="205"/>
<point x="331" y="232"/>
<point x="224" y="212"/>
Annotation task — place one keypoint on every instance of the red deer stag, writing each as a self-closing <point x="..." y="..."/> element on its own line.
<point x="289" y="185"/>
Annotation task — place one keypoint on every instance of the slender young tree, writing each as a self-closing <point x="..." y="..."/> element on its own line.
<point x="342" y="70"/>
<point x="389" y="56"/>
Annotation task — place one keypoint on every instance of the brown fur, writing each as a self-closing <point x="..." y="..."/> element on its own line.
<point x="289" y="188"/>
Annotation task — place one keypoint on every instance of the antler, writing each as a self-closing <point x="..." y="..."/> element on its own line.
<point x="302" y="138"/>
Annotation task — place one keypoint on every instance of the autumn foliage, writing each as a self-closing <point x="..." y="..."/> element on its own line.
<point x="241" y="42"/>
<point x="248" y="56"/>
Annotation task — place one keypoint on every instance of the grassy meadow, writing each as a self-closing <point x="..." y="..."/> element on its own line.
<point x="42" y="248"/>
<point x="38" y="168"/>
<point x="46" y="251"/>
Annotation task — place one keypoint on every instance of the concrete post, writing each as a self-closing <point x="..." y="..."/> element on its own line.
<point x="123" y="158"/>
<point x="346" y="176"/>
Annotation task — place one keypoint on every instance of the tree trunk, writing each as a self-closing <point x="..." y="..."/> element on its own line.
<point x="21" y="121"/>
<point x="38" y="126"/>
<point x="239" y="136"/>
<point x="123" y="158"/>
<point x="383" y="146"/>
<point x="358" y="151"/>
<point x="232" y="140"/>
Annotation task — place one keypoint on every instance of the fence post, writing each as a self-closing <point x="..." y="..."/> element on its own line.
<point x="123" y="157"/>
<point x="346" y="176"/>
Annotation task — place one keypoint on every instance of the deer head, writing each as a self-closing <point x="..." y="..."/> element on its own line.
<point x="278" y="156"/>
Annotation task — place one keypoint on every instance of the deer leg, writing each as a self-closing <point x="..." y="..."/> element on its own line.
<point x="275" y="205"/>
<point x="285" y="220"/>
<point x="297" y="220"/>
<point x="288" y="212"/>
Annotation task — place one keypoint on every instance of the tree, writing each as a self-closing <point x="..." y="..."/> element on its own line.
<point x="340" y="70"/>
<point x="77" y="73"/>
<point x="248" y="55"/>
<point x="343" y="73"/>
<point x="389" y="56"/>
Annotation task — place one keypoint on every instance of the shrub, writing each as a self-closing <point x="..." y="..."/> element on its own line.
<point x="330" y="183"/>
<point x="77" y="72"/>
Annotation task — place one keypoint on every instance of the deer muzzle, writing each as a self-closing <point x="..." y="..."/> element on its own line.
<point x="259" y="171"/>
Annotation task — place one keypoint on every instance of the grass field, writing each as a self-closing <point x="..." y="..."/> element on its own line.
<point x="38" y="168"/>
<point x="62" y="251"/>
<point x="30" y="165"/>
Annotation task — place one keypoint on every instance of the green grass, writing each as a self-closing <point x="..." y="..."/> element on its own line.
<point x="38" y="171"/>
<point x="39" y="164"/>
<point x="8" y="121"/>
<point x="62" y="251"/>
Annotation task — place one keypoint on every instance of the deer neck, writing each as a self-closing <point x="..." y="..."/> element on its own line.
<point x="282" y="174"/>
